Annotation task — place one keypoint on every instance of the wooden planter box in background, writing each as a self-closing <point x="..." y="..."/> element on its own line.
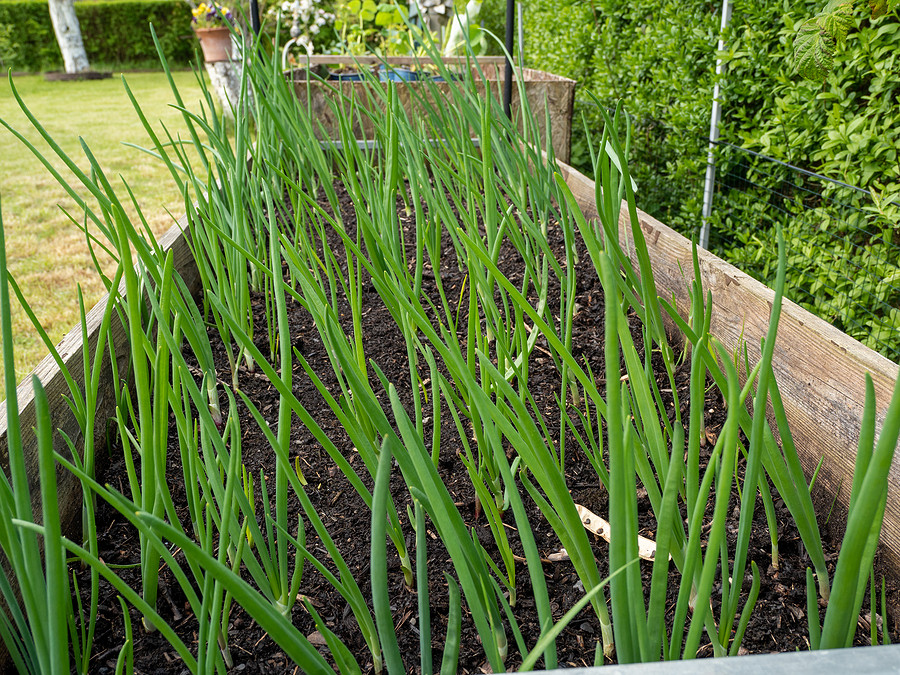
<point x="545" y="93"/>
<point x="821" y="371"/>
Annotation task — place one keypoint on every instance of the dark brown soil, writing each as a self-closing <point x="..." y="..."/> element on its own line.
<point x="778" y="624"/>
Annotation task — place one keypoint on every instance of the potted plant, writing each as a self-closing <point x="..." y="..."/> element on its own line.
<point x="213" y="26"/>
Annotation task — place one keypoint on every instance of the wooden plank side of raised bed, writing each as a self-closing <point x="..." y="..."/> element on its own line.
<point x="819" y="369"/>
<point x="51" y="377"/>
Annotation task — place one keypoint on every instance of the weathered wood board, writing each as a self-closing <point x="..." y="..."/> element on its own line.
<point x="819" y="369"/>
<point x="546" y="94"/>
<point x="71" y="351"/>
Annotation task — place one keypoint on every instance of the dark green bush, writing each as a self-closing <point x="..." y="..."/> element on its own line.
<point x="493" y="19"/>
<point x="654" y="55"/>
<point x="116" y="34"/>
<point x="659" y="56"/>
<point x="842" y="252"/>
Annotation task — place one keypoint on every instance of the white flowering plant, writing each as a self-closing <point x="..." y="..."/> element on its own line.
<point x="310" y="24"/>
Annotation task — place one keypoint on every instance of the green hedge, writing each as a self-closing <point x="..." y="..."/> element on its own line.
<point x="659" y="57"/>
<point x="116" y="34"/>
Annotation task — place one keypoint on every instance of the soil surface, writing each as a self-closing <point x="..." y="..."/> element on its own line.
<point x="778" y="624"/>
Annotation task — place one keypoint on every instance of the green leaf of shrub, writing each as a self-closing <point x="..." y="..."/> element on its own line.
<point x="813" y="50"/>
<point x="838" y="23"/>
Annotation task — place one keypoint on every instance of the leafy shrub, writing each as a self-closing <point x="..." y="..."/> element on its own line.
<point x="115" y="33"/>
<point x="660" y="57"/>
<point x="844" y="271"/>
<point x="8" y="46"/>
<point x="819" y="37"/>
<point x="654" y="55"/>
<point x="493" y="20"/>
<point x="845" y="126"/>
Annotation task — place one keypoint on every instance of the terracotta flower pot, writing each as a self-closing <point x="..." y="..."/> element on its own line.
<point x="215" y="43"/>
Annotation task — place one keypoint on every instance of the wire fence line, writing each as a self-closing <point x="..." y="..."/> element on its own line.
<point x="843" y="247"/>
<point x="843" y="251"/>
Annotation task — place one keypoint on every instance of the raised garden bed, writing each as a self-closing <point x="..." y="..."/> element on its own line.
<point x="334" y="333"/>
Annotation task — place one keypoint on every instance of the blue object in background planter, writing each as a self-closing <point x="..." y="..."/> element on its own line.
<point x="441" y="78"/>
<point x="346" y="77"/>
<point x="398" y="74"/>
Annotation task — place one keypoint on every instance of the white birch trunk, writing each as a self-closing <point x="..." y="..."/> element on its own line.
<point x="68" y="35"/>
<point x="225" y="79"/>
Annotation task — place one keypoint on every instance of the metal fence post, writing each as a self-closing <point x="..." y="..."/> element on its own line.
<point x="510" y="48"/>
<point x="709" y="184"/>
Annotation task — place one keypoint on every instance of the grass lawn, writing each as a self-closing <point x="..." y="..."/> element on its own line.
<point x="47" y="254"/>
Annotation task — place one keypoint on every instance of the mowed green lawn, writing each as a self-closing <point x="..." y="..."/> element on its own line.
<point x="47" y="254"/>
